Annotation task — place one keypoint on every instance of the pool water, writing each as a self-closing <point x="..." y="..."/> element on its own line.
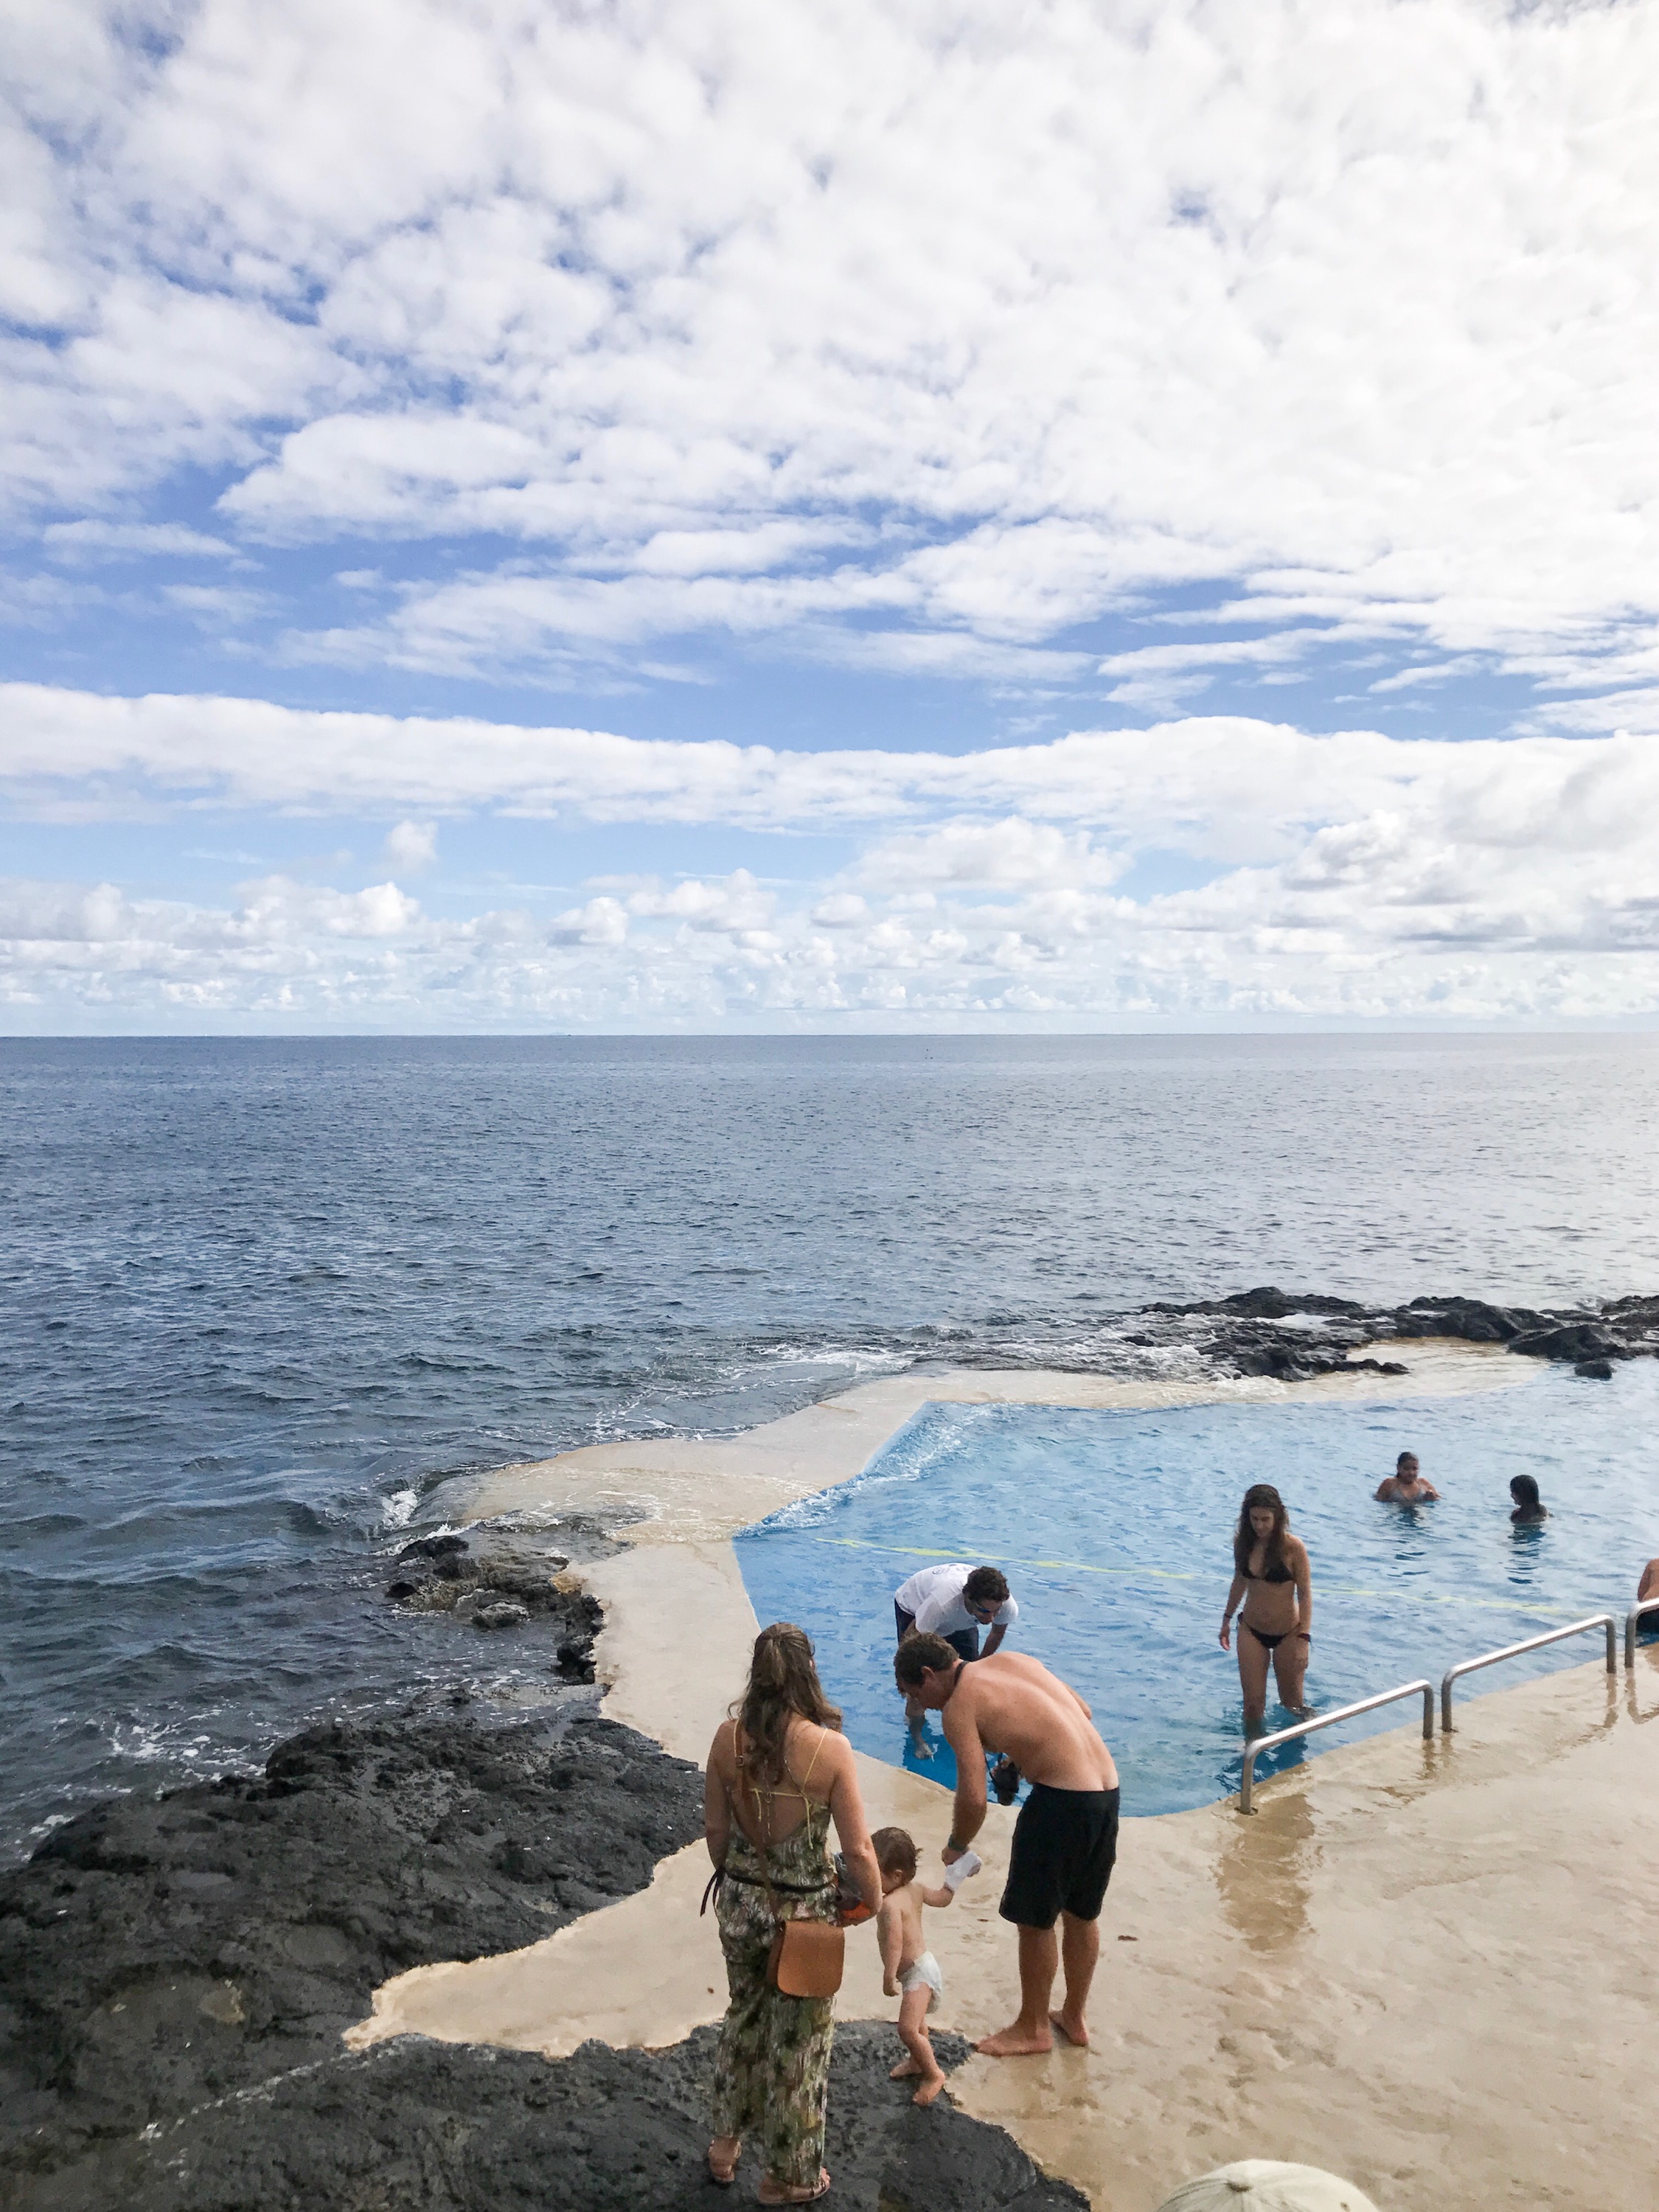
<point x="1114" y="1528"/>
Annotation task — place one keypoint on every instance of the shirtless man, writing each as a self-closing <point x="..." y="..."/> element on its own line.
<point x="1649" y="1588"/>
<point x="1405" y="1487"/>
<point x="1065" y="1837"/>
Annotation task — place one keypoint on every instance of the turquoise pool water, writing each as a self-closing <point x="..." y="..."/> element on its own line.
<point x="1113" y="1530"/>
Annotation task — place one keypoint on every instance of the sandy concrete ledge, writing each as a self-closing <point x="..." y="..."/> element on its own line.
<point x="691" y="1488"/>
<point x="1424" y="1967"/>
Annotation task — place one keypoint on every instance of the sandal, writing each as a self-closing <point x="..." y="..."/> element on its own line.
<point x="797" y="2196"/>
<point x="720" y="2171"/>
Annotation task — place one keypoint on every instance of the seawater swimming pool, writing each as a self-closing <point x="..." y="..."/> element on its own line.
<point x="1114" y="1530"/>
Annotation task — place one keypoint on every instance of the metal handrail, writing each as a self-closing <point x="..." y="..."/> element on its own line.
<point x="1328" y="1720"/>
<point x="1605" y="1620"/>
<point x="1648" y="1605"/>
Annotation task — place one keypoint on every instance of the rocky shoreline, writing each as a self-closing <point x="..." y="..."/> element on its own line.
<point x="176" y="1972"/>
<point x="1297" y="1337"/>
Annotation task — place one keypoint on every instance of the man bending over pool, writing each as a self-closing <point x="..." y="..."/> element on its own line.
<point x="955" y="1602"/>
<point x="1065" y="1837"/>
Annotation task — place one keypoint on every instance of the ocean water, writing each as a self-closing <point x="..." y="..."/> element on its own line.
<point x="1115" y="1531"/>
<point x="266" y="1306"/>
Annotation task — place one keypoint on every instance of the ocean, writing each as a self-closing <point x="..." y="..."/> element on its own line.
<point x="270" y="1306"/>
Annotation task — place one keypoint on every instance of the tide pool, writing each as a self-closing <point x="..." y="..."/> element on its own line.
<point x="1114" y="1528"/>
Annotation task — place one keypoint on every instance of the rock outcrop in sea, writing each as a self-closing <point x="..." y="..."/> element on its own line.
<point x="1297" y="1336"/>
<point x="493" y="1581"/>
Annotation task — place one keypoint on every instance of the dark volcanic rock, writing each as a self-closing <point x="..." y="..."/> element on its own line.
<point x="1597" y="1371"/>
<point x="1267" y="1303"/>
<point x="1268" y="1331"/>
<point x="156" y="1954"/>
<point x="1576" y="1340"/>
<point x="493" y="1581"/>
<point x="1472" y="1319"/>
<point x="454" y="2128"/>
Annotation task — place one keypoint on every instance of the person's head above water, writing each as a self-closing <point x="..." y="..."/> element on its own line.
<point x="984" y="1590"/>
<point x="1405" y="1467"/>
<point x="924" y="1668"/>
<point x="783" y="1685"/>
<point x="1261" y="1519"/>
<point x="1528" y="1506"/>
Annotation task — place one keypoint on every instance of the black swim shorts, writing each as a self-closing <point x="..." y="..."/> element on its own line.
<point x="964" y="1642"/>
<point x="1065" y="1848"/>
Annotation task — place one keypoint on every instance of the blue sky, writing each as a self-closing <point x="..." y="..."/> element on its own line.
<point x="937" y="517"/>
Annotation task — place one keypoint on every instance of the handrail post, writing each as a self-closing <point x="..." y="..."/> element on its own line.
<point x="1632" y="1620"/>
<point x="1247" y="1778"/>
<point x="1605" y="1621"/>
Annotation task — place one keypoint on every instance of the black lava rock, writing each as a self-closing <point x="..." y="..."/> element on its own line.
<point x="1574" y="1341"/>
<point x="1596" y="1370"/>
<point x="456" y="2127"/>
<point x="1295" y="1337"/>
<point x="157" y="1954"/>
<point x="435" y="1547"/>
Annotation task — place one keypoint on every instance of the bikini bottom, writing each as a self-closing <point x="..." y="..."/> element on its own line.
<point x="1267" y="1642"/>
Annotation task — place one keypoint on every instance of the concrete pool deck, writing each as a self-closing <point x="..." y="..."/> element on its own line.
<point x="1423" y="1966"/>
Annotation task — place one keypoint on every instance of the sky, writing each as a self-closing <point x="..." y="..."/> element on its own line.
<point x="873" y="514"/>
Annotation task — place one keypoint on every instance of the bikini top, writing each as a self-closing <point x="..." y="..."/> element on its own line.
<point x="1277" y="1572"/>
<point x="788" y="1787"/>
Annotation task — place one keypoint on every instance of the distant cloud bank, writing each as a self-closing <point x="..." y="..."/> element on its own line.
<point x="1353" y="875"/>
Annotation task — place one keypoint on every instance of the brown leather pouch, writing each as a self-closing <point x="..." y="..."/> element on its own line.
<point x="807" y="1959"/>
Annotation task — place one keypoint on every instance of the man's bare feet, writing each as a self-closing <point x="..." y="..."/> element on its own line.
<point x="931" y="2086"/>
<point x="1017" y="2042"/>
<point x="904" y="2070"/>
<point x="1075" y="2030"/>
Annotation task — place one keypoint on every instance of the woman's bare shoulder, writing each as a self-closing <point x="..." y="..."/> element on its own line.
<point x="825" y="1749"/>
<point x="1295" y="1549"/>
<point x="723" y="1752"/>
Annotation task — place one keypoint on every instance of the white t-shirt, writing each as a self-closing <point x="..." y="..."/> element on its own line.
<point x="933" y="1596"/>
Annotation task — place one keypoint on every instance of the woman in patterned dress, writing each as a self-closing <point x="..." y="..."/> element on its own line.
<point x="779" y="1771"/>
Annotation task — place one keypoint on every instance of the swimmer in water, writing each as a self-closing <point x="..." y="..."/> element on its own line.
<point x="1405" y="1487"/>
<point x="1528" y="1506"/>
<point x="1272" y="1577"/>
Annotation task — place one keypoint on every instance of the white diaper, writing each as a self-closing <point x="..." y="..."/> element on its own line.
<point x="925" y="1974"/>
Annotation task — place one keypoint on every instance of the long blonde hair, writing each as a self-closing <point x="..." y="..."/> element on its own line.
<point x="783" y="1685"/>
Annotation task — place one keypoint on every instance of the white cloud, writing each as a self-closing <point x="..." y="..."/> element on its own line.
<point x="1224" y="788"/>
<point x="1350" y="876"/>
<point x="411" y="846"/>
<point x="94" y="540"/>
<point x="973" y="322"/>
<point x="738" y="904"/>
<point x="1013" y="854"/>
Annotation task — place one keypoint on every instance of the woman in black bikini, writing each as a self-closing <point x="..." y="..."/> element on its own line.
<point x="1272" y="1577"/>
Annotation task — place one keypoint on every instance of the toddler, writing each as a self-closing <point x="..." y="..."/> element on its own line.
<point x="909" y="1970"/>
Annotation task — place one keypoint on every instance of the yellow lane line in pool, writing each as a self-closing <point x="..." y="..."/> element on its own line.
<point x="1173" y="1575"/>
